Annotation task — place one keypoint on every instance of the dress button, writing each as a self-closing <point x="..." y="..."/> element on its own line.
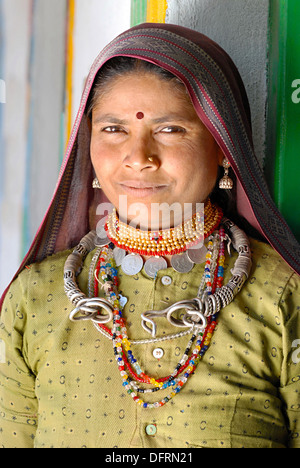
<point x="151" y="429"/>
<point x="158" y="353"/>
<point x="166" y="280"/>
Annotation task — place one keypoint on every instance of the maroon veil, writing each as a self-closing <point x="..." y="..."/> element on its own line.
<point x="220" y="100"/>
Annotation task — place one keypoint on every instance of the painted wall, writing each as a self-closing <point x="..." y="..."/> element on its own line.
<point x="46" y="50"/>
<point x="241" y="28"/>
<point x="45" y="106"/>
<point x="97" y="22"/>
<point x="14" y="56"/>
<point x="34" y="49"/>
<point x="33" y="60"/>
<point x="283" y="123"/>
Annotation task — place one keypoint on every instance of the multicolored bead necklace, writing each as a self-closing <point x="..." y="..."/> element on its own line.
<point x="130" y="370"/>
<point x="212" y="296"/>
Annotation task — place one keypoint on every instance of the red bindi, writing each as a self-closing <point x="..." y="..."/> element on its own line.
<point x="140" y="115"/>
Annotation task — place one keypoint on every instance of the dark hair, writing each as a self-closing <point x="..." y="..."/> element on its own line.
<point x="120" y="66"/>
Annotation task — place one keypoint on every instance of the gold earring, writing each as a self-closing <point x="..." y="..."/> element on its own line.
<point x="226" y="182"/>
<point x="96" y="184"/>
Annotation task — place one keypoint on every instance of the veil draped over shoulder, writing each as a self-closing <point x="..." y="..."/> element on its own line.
<point x="220" y="100"/>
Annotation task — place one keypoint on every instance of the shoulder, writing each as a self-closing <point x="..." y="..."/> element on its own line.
<point x="268" y="264"/>
<point x="271" y="277"/>
<point x="37" y="280"/>
<point x="46" y="268"/>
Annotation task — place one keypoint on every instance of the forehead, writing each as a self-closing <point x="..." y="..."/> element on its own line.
<point x="148" y="90"/>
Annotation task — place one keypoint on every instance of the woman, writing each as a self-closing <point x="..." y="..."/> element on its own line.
<point x="155" y="340"/>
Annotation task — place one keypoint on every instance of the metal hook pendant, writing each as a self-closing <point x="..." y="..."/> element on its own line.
<point x="91" y="310"/>
<point x="193" y="318"/>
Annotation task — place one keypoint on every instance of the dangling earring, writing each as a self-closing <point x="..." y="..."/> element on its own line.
<point x="96" y="184"/>
<point x="226" y="182"/>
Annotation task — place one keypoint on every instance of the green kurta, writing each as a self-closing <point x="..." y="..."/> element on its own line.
<point x="60" y="385"/>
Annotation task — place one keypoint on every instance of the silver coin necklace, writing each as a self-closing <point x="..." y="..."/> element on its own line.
<point x="132" y="263"/>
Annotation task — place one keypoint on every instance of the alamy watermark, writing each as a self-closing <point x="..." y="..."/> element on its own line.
<point x="296" y="353"/>
<point x="150" y="219"/>
<point x="296" y="93"/>
<point x="2" y="352"/>
<point x="2" y="92"/>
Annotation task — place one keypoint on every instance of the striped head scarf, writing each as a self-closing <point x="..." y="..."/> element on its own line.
<point x="220" y="100"/>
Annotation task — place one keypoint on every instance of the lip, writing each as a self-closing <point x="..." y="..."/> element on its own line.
<point x="140" y="188"/>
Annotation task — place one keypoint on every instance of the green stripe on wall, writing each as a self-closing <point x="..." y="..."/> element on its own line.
<point x="138" y="12"/>
<point x="283" y="120"/>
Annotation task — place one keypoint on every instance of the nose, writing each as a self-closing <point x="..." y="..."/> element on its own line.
<point x="141" y="154"/>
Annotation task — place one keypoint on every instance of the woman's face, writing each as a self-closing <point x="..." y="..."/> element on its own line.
<point x="149" y="145"/>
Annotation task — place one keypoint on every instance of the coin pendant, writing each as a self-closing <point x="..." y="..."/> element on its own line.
<point x="182" y="263"/>
<point x="197" y="255"/>
<point x="102" y="241"/>
<point x="119" y="255"/>
<point x="122" y="300"/>
<point x="153" y="265"/>
<point x="132" y="264"/>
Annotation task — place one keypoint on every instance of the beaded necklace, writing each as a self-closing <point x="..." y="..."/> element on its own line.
<point x="183" y="242"/>
<point x="164" y="242"/>
<point x="130" y="370"/>
<point x="200" y="317"/>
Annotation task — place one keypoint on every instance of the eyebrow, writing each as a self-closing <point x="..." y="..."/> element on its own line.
<point x="109" y="118"/>
<point x="170" y="118"/>
<point x="115" y="120"/>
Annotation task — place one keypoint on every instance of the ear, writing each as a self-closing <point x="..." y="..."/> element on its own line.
<point x="220" y="156"/>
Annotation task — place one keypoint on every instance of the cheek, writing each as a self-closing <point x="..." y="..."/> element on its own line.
<point x="102" y="167"/>
<point x="191" y="166"/>
<point x="94" y="151"/>
<point x="97" y="150"/>
<point x="102" y="158"/>
<point x="196" y="173"/>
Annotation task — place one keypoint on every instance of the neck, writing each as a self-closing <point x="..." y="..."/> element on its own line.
<point x="164" y="242"/>
<point x="161" y="216"/>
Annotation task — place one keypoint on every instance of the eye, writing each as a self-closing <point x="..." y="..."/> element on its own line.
<point x="173" y="129"/>
<point x="113" y="129"/>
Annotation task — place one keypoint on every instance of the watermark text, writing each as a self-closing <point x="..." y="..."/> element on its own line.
<point x="155" y="217"/>
<point x="296" y="93"/>
<point x="2" y="352"/>
<point x="296" y="353"/>
<point x="2" y="92"/>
